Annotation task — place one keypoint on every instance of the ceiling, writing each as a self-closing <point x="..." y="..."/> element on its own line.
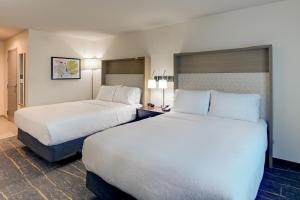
<point x="95" y="19"/>
<point x="6" y="32"/>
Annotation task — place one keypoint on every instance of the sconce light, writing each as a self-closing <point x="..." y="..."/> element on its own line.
<point x="152" y="82"/>
<point x="163" y="84"/>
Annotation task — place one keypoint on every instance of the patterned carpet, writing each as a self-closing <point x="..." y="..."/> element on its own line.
<point x="23" y="175"/>
<point x="282" y="182"/>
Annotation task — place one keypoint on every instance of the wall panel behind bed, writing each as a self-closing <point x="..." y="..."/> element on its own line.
<point x="132" y="72"/>
<point x="243" y="70"/>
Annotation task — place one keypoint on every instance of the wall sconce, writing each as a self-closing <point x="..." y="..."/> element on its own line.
<point x="152" y="82"/>
<point x="168" y="78"/>
<point x="162" y="84"/>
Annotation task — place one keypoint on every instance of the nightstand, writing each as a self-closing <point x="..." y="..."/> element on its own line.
<point x="146" y="112"/>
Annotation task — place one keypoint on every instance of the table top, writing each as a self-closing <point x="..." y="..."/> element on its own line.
<point x="152" y="109"/>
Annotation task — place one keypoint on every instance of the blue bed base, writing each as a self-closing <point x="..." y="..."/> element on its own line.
<point x="57" y="152"/>
<point x="103" y="190"/>
<point x="52" y="153"/>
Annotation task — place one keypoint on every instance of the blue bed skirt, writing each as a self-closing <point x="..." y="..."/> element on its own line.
<point x="103" y="190"/>
<point x="52" y="153"/>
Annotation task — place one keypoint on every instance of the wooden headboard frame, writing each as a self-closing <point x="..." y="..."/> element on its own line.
<point x="129" y="72"/>
<point x="229" y="66"/>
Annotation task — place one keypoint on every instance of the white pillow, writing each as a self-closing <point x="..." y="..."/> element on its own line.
<point x="189" y="101"/>
<point x="106" y="93"/>
<point x="235" y="106"/>
<point x="127" y="95"/>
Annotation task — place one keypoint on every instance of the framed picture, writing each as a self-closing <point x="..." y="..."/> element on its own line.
<point x="65" y="68"/>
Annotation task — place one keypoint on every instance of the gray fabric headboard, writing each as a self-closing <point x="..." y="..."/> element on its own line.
<point x="131" y="80"/>
<point x="242" y="70"/>
<point x="128" y="72"/>
<point x="256" y="83"/>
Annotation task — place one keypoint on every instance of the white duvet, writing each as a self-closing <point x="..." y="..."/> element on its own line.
<point x="181" y="156"/>
<point x="57" y="123"/>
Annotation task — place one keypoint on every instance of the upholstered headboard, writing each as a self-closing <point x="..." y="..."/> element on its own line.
<point x="243" y="70"/>
<point x="129" y="72"/>
<point x="256" y="83"/>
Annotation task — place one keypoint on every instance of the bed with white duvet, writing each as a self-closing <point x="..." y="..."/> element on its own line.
<point x="57" y="123"/>
<point x="57" y="131"/>
<point x="181" y="156"/>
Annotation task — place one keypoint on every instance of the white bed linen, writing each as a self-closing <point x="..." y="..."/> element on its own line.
<point x="57" y="123"/>
<point x="181" y="156"/>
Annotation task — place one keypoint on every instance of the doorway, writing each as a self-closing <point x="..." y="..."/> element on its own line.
<point x="12" y="96"/>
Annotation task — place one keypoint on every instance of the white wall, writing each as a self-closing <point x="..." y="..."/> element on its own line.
<point x="276" y="24"/>
<point x="2" y="108"/>
<point x="19" y="42"/>
<point x="43" y="90"/>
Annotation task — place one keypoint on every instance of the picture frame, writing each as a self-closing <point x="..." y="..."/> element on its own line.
<point x="63" y="68"/>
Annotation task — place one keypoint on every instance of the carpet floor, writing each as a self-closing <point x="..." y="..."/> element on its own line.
<point x="23" y="175"/>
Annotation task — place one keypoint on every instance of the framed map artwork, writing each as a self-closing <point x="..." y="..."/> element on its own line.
<point x="65" y="68"/>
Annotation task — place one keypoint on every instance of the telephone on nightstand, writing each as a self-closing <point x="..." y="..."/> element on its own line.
<point x="150" y="105"/>
<point x="167" y="108"/>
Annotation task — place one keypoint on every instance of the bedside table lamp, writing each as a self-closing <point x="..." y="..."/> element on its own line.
<point x="91" y="64"/>
<point x="163" y="84"/>
<point x="151" y="84"/>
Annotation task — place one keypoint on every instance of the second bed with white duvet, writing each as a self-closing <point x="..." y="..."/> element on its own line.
<point x="181" y="156"/>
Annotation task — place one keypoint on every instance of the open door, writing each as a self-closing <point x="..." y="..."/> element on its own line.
<point x="12" y="84"/>
<point x="21" y="80"/>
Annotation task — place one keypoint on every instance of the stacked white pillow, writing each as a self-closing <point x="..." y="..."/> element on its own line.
<point x="106" y="93"/>
<point x="235" y="106"/>
<point x="191" y="101"/>
<point x="127" y="95"/>
<point x="120" y="94"/>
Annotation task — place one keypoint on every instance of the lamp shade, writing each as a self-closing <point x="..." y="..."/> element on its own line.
<point x="151" y="83"/>
<point x="162" y="84"/>
<point x="91" y="63"/>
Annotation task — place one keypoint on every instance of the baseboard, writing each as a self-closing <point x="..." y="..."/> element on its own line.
<point x="286" y="164"/>
<point x="4" y="116"/>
